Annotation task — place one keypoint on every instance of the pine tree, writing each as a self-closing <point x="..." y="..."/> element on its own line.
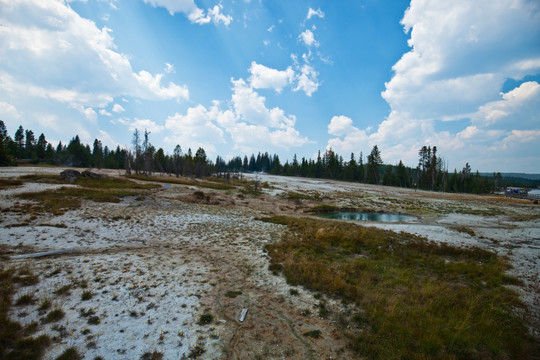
<point x="374" y="163"/>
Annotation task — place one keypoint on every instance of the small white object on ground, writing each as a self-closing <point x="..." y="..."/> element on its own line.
<point x="243" y="315"/>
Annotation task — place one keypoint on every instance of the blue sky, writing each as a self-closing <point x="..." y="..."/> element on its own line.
<point x="287" y="77"/>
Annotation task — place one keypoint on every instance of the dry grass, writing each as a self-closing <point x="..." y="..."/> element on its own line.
<point x="7" y="183"/>
<point x="416" y="299"/>
<point x="215" y="185"/>
<point x="246" y="187"/>
<point x="15" y="342"/>
<point x="68" y="198"/>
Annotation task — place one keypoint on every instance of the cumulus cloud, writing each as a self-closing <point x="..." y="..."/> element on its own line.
<point x="90" y="114"/>
<point x="303" y="77"/>
<point x="258" y="126"/>
<point x="263" y="77"/>
<point x="461" y="54"/>
<point x="250" y="106"/>
<point x="55" y="61"/>
<point x="194" y="129"/>
<point x="151" y="88"/>
<point x="312" y="13"/>
<point x="307" y="79"/>
<point x="37" y="36"/>
<point x="251" y="125"/>
<point x="192" y="11"/>
<point x="340" y="126"/>
<point x="117" y="108"/>
<point x="308" y="38"/>
<point x="217" y="17"/>
<point x="347" y="138"/>
<point x="518" y="105"/>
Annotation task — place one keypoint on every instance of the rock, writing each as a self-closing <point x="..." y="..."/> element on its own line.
<point x="92" y="175"/>
<point x="69" y="175"/>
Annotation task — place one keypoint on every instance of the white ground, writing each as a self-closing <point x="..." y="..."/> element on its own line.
<point x="155" y="266"/>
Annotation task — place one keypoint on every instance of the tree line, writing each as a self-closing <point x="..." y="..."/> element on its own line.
<point x="431" y="173"/>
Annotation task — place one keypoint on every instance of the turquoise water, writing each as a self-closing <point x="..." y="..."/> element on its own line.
<point x="366" y="216"/>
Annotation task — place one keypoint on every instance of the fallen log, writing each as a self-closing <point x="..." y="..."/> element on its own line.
<point x="44" y="253"/>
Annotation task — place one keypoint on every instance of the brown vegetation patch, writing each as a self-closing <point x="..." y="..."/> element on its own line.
<point x="416" y="299"/>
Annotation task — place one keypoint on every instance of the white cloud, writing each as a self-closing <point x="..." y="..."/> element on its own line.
<point x="175" y="6"/>
<point x="90" y="114"/>
<point x="194" y="129"/>
<point x="257" y="126"/>
<point x="305" y="77"/>
<point x="308" y="38"/>
<point x="76" y="99"/>
<point x="49" y="52"/>
<point x="117" y="108"/>
<point x="271" y="28"/>
<point x="307" y="80"/>
<point x="340" y="126"/>
<point x="169" y="68"/>
<point x="251" y="125"/>
<point x="519" y="105"/>
<point x="145" y="124"/>
<point x="218" y="17"/>
<point x="312" y="13"/>
<point x="158" y="92"/>
<point x="250" y="138"/>
<point x="249" y="106"/>
<point x="519" y="137"/>
<point x="104" y="112"/>
<point x="107" y="140"/>
<point x="461" y="54"/>
<point x="9" y="110"/>
<point x="263" y="77"/>
<point x="192" y="11"/>
<point x="348" y="138"/>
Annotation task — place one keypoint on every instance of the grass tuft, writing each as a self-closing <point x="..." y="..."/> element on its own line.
<point x="232" y="294"/>
<point x="86" y="295"/>
<point x="70" y="354"/>
<point x="152" y="355"/>
<point x="26" y="279"/>
<point x="25" y="299"/>
<point x="206" y="319"/>
<point x="93" y="320"/>
<point x="15" y="342"/>
<point x="63" y="290"/>
<point x="315" y="334"/>
<point x="44" y="305"/>
<point x="53" y="316"/>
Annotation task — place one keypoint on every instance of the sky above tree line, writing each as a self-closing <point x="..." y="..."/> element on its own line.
<point x="287" y="77"/>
